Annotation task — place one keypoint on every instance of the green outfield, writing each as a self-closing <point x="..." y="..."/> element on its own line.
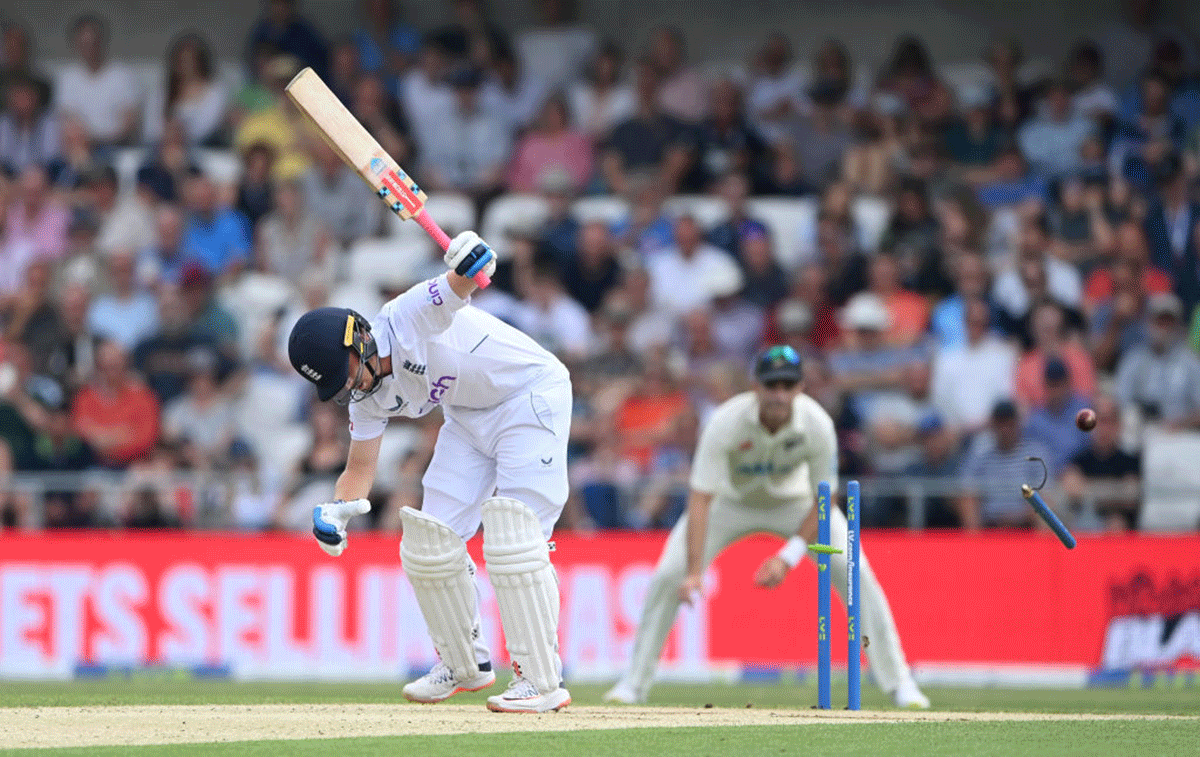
<point x="984" y="721"/>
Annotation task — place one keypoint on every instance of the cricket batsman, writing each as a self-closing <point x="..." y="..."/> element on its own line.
<point x="756" y="469"/>
<point x="500" y="459"/>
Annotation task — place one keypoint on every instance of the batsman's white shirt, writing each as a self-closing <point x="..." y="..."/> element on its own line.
<point x="506" y="402"/>
<point x="446" y="353"/>
<point x="739" y="459"/>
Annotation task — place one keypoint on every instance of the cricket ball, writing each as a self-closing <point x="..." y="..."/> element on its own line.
<point x="1086" y="419"/>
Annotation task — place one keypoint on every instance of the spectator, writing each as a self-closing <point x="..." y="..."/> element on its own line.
<point x="646" y="417"/>
<point x="1104" y="476"/>
<point x="214" y="236"/>
<point x="1173" y="232"/>
<point x="969" y="379"/>
<point x="559" y="47"/>
<point x="844" y="267"/>
<point x="1037" y="276"/>
<point x="123" y="221"/>
<point x="682" y="93"/>
<point x="1130" y="247"/>
<point x="115" y="413"/>
<point x="29" y="131"/>
<point x="469" y="150"/>
<point x="1128" y="42"/>
<point x="1091" y="96"/>
<point x="280" y="125"/>
<point x="344" y="70"/>
<point x="104" y="94"/>
<point x="1012" y="92"/>
<point x="690" y="259"/>
<point x="996" y="465"/>
<point x="1053" y="141"/>
<point x="424" y="94"/>
<point x="892" y="420"/>
<point x="16" y="61"/>
<point x="510" y="91"/>
<point x="339" y="198"/>
<point x="551" y="146"/>
<point x="201" y="421"/>
<point x="1147" y="136"/>
<point x="379" y="112"/>
<point x="594" y="271"/>
<point x="766" y="281"/>
<point x="548" y="314"/>
<point x="725" y="141"/>
<point x="774" y="96"/>
<point x="651" y="141"/>
<point x="190" y="93"/>
<point x="1053" y="423"/>
<point x="734" y="189"/>
<point x="820" y="138"/>
<point x="910" y="76"/>
<point x="324" y="459"/>
<point x="256" y="188"/>
<point x="170" y="164"/>
<point x="867" y="366"/>
<point x="144" y="509"/>
<point x="1079" y="230"/>
<point x="290" y="238"/>
<point x="282" y="26"/>
<point x="601" y="100"/>
<point x="163" y="259"/>
<point x="22" y="412"/>
<point x="127" y="313"/>
<point x="206" y="315"/>
<point x="908" y="313"/>
<point x="57" y="447"/>
<point x="77" y="156"/>
<point x="737" y="323"/>
<point x="912" y="237"/>
<point x="973" y="140"/>
<point x="560" y="231"/>
<point x="162" y="357"/>
<point x="69" y="358"/>
<point x="387" y="44"/>
<point x="948" y="322"/>
<point x="941" y="461"/>
<point x="1010" y="182"/>
<point x="1118" y="322"/>
<point x="256" y="93"/>
<point x="1052" y="341"/>
<point x="650" y="326"/>
<point x="613" y="360"/>
<point x="647" y="228"/>
<point x="833" y="71"/>
<point x="605" y="481"/>
<point x="1159" y="380"/>
<point x="36" y="221"/>
<point x="34" y="319"/>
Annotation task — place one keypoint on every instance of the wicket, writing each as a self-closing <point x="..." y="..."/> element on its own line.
<point x="824" y="550"/>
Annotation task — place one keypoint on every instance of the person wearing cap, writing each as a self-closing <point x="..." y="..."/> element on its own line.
<point x="997" y="464"/>
<point x="501" y="449"/>
<point x="757" y="466"/>
<point x="1160" y="379"/>
<point x="1053" y="422"/>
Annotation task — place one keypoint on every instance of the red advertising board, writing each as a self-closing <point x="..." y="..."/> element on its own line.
<point x="277" y="607"/>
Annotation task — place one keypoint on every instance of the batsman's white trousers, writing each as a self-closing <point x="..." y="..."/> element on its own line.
<point x="517" y="449"/>
<point x="728" y="522"/>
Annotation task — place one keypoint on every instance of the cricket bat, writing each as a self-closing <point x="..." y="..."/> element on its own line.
<point x="360" y="151"/>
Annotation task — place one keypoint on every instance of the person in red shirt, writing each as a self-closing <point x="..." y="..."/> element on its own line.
<point x="1132" y="250"/>
<point x="116" y="413"/>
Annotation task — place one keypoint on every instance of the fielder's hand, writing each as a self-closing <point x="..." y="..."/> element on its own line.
<point x="329" y="523"/>
<point x="691" y="590"/>
<point x="772" y="572"/>
<point x="468" y="254"/>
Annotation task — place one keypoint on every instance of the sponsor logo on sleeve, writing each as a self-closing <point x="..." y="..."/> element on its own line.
<point x="434" y="295"/>
<point x="439" y="387"/>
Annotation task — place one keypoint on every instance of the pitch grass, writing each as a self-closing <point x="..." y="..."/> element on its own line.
<point x="954" y="738"/>
<point x="961" y="739"/>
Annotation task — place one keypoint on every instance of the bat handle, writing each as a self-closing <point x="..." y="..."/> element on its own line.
<point x="443" y="241"/>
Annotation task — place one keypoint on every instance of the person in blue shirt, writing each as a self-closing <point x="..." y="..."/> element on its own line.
<point x="216" y="237"/>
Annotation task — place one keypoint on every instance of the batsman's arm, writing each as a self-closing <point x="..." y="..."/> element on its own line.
<point x="359" y="475"/>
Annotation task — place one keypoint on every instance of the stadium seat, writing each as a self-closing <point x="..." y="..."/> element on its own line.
<point x="509" y="213"/>
<point x="791" y="221"/>
<point x="223" y="166"/>
<point x="374" y="262"/>
<point x="707" y="210"/>
<point x="872" y="214"/>
<point x="126" y="163"/>
<point x="608" y="208"/>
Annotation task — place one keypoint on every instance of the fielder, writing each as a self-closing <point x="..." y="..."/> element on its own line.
<point x="500" y="459"/>
<point x="756" y="469"/>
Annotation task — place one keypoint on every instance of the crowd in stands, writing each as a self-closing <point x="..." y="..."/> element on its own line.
<point x="962" y="266"/>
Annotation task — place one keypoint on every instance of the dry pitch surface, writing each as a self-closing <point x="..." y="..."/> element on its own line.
<point x="180" y="724"/>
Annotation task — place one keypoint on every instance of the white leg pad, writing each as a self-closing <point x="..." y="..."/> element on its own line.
<point x="518" y="563"/>
<point x="442" y="575"/>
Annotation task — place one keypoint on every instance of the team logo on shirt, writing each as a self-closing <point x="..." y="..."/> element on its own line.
<point x="434" y="295"/>
<point x="439" y="388"/>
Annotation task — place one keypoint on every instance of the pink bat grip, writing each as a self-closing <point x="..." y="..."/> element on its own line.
<point x="443" y="241"/>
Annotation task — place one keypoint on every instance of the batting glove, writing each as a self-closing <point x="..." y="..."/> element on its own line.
<point x="468" y="254"/>
<point x="329" y="523"/>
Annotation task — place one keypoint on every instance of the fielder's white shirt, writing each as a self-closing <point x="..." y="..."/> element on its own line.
<point x="738" y="459"/>
<point x="446" y="353"/>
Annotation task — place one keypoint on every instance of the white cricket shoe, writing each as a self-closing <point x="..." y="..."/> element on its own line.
<point x="522" y="696"/>
<point x="909" y="697"/>
<point x="440" y="683"/>
<point x="623" y="693"/>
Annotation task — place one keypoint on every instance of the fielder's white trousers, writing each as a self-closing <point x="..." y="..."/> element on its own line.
<point x="728" y="522"/>
<point x="516" y="449"/>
